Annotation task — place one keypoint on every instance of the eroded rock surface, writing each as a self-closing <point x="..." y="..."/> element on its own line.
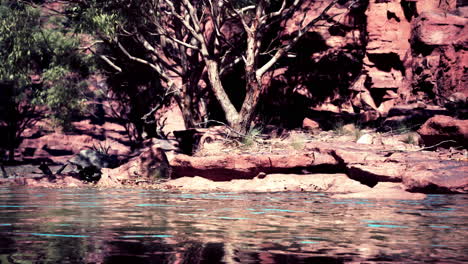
<point x="445" y="128"/>
<point x="247" y="166"/>
<point x="384" y="190"/>
<point x="333" y="183"/>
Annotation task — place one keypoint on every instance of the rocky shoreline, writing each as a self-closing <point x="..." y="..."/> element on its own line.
<point x="376" y="165"/>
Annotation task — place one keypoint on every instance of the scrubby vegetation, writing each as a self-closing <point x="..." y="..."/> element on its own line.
<point x="42" y="71"/>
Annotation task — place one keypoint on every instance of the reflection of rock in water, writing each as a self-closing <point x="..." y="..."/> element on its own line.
<point x="150" y="251"/>
<point x="139" y="251"/>
<point x="7" y="246"/>
<point x="196" y="252"/>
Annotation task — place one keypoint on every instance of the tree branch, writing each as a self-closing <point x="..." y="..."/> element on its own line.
<point x="282" y="51"/>
<point x="108" y="61"/>
<point x="155" y="67"/>
<point x="151" y="49"/>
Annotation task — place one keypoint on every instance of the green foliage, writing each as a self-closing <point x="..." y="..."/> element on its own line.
<point x="16" y="42"/>
<point x="102" y="148"/>
<point x="352" y="129"/>
<point x="358" y="133"/>
<point x="405" y="127"/>
<point x="41" y="66"/>
<point x="95" y="19"/>
<point x="338" y="128"/>
<point x="28" y="48"/>
<point x="251" y="137"/>
<point x="409" y="139"/>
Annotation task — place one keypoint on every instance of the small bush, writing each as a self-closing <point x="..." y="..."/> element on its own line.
<point x="102" y="148"/>
<point x="251" y="137"/>
<point x="338" y="128"/>
<point x="352" y="129"/>
<point x="297" y="141"/>
<point x="411" y="138"/>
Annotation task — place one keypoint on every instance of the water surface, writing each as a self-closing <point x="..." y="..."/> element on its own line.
<point x="145" y="226"/>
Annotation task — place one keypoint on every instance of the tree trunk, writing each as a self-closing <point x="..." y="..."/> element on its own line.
<point x="184" y="102"/>
<point x="230" y="112"/>
<point x="11" y="153"/>
<point x="253" y="83"/>
<point x="247" y="112"/>
<point x="11" y="138"/>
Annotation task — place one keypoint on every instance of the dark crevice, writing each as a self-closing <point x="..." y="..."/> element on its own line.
<point x="364" y="177"/>
<point x="432" y="189"/>
<point x="418" y="47"/>
<point x="387" y="61"/>
<point x="225" y="174"/>
<point x="391" y="15"/>
<point x="338" y="30"/>
<point x="409" y="9"/>
<point x="368" y="178"/>
<point x="378" y="95"/>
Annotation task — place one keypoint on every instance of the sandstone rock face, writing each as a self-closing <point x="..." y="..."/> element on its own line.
<point x="438" y="28"/>
<point x="439" y="57"/>
<point x="41" y="143"/>
<point x="418" y="171"/>
<point x="405" y="51"/>
<point x="442" y="128"/>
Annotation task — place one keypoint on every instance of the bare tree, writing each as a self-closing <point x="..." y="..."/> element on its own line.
<point x="188" y="41"/>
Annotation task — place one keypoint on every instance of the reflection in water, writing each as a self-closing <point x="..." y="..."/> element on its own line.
<point x="141" y="226"/>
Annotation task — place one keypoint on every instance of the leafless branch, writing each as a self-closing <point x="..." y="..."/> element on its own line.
<point x="155" y="67"/>
<point x="108" y="61"/>
<point x="151" y="49"/>
<point x="282" y="51"/>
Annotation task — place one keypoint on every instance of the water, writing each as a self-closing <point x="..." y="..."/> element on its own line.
<point x="145" y="226"/>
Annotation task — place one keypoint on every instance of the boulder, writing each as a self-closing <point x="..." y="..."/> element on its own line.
<point x="436" y="28"/>
<point x="365" y="139"/>
<point x="437" y="176"/>
<point x="90" y="157"/>
<point x="149" y="167"/>
<point x="88" y="164"/>
<point x="309" y="124"/>
<point x="445" y="128"/>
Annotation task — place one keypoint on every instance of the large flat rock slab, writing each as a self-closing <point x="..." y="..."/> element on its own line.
<point x="443" y="176"/>
<point x="330" y="183"/>
<point x="247" y="166"/>
<point x="384" y="190"/>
